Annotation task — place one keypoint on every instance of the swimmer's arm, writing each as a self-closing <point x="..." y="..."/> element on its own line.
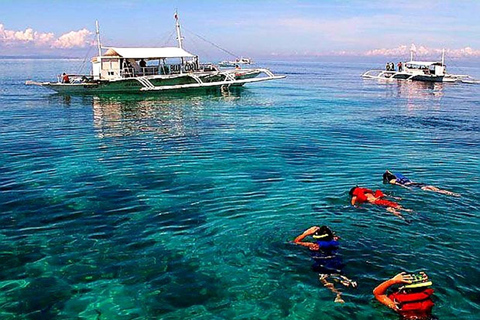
<point x="354" y="199"/>
<point x="308" y="232"/>
<point x="380" y="292"/>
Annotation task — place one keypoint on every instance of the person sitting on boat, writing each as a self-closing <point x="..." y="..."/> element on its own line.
<point x="327" y="262"/>
<point x="387" y="66"/>
<point x="412" y="300"/>
<point x="65" y="78"/>
<point x="400" y="180"/>
<point x="142" y="63"/>
<point x="362" y="195"/>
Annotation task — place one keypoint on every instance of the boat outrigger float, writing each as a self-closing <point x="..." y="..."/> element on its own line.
<point x="134" y="70"/>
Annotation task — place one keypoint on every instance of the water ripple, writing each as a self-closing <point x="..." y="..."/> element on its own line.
<point x="151" y="206"/>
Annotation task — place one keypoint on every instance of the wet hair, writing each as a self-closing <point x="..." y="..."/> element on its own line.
<point x="324" y="233"/>
<point x="387" y="176"/>
<point x="352" y="190"/>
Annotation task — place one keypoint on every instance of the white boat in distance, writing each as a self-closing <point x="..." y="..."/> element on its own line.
<point x="434" y="71"/>
<point x="237" y="62"/>
<point x="135" y="70"/>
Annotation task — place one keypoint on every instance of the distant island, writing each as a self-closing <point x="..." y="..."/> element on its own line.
<point x="38" y="57"/>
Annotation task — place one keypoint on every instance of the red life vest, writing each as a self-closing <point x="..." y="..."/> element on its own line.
<point x="416" y="305"/>
<point x="361" y="194"/>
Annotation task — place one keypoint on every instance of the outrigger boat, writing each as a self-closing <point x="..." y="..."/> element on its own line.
<point x="418" y="71"/>
<point x="134" y="70"/>
<point x="237" y="62"/>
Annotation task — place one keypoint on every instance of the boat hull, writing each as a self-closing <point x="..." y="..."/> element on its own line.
<point x="392" y="75"/>
<point x="155" y="83"/>
<point x="420" y="78"/>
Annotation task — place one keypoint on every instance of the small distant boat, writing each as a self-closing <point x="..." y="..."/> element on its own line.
<point x="428" y="71"/>
<point x="135" y="70"/>
<point x="237" y="62"/>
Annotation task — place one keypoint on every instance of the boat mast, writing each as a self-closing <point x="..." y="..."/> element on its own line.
<point x="99" y="46"/>
<point x="179" y="33"/>
<point x="443" y="57"/>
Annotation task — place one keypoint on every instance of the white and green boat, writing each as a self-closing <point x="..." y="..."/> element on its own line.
<point x="136" y="70"/>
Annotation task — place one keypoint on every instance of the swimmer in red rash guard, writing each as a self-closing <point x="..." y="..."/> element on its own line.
<point x="361" y="195"/>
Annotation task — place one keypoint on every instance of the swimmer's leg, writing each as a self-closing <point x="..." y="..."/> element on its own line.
<point x="398" y="214"/>
<point x="323" y="279"/>
<point x="435" y="189"/>
<point x="395" y="212"/>
<point x="347" y="281"/>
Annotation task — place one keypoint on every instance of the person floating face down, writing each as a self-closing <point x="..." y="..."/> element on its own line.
<point x="412" y="300"/>
<point x="362" y="195"/>
<point x="400" y="180"/>
<point x="327" y="263"/>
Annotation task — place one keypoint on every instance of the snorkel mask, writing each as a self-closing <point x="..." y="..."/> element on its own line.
<point x="323" y="233"/>
<point x="319" y="236"/>
<point x="417" y="282"/>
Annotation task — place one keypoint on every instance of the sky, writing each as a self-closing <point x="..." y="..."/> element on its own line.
<point x="246" y="28"/>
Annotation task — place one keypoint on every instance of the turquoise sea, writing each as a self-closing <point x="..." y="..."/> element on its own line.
<point x="182" y="207"/>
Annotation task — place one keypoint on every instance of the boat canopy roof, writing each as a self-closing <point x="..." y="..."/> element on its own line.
<point x="424" y="63"/>
<point x="148" y="53"/>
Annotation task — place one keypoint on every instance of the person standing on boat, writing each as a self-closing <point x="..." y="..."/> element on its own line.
<point x="327" y="262"/>
<point x="412" y="300"/>
<point x="400" y="180"/>
<point x="142" y="65"/>
<point x="362" y="195"/>
<point x="65" y="78"/>
<point x="399" y="65"/>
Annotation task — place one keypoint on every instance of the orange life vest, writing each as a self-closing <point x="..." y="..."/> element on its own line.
<point x="416" y="305"/>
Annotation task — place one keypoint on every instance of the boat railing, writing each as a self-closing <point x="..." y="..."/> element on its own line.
<point x="167" y="69"/>
<point x="127" y="72"/>
<point x="143" y="71"/>
<point x="148" y="71"/>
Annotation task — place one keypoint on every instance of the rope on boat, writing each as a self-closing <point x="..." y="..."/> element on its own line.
<point x="213" y="44"/>
<point x="169" y="38"/>
<point x="84" y="62"/>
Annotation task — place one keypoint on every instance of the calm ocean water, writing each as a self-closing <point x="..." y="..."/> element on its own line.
<point x="181" y="207"/>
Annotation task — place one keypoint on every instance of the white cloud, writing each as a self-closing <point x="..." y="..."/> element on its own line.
<point x="72" y="39"/>
<point x="423" y="51"/>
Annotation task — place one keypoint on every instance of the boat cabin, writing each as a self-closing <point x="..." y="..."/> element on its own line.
<point x="427" y="68"/>
<point x="121" y="63"/>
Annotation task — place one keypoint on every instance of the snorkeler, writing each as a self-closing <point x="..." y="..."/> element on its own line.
<point x="412" y="300"/>
<point x="400" y="180"/>
<point x="327" y="263"/>
<point x="361" y="195"/>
